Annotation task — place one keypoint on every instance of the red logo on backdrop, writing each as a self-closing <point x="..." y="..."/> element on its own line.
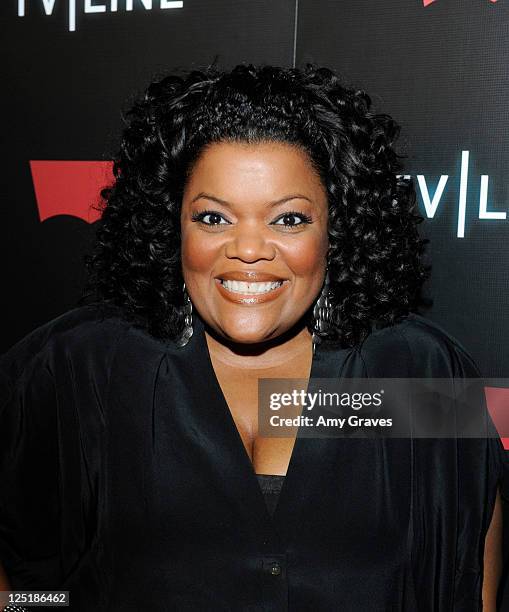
<point x="70" y="187"/>
<point x="428" y="2"/>
<point x="497" y="402"/>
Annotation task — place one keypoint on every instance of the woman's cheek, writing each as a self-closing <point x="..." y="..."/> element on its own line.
<point x="305" y="257"/>
<point x="199" y="251"/>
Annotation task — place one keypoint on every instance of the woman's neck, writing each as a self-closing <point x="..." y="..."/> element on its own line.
<point x="296" y="344"/>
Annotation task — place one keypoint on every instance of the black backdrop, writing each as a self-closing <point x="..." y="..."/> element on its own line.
<point x="439" y="67"/>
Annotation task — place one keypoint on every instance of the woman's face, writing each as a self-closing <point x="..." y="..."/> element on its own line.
<point x="254" y="238"/>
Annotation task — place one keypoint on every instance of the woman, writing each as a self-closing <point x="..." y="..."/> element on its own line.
<point x="131" y="462"/>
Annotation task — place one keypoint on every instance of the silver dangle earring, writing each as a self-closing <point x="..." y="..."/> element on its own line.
<point x="188" y="320"/>
<point x="321" y="312"/>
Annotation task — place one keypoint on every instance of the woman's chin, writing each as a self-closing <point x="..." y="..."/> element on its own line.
<point x="249" y="336"/>
<point x="240" y="332"/>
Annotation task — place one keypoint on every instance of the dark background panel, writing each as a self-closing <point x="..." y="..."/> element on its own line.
<point x="441" y="72"/>
<point x="62" y="97"/>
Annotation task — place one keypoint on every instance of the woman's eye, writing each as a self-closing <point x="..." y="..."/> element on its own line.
<point x="209" y="218"/>
<point x="292" y="219"/>
<point x="289" y="219"/>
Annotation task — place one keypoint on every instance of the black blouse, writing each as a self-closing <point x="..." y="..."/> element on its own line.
<point x="124" y="480"/>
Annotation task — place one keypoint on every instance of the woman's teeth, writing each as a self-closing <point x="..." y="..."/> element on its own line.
<point x="250" y="288"/>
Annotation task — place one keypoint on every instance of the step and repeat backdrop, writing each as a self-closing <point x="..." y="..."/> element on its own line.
<point x="439" y="67"/>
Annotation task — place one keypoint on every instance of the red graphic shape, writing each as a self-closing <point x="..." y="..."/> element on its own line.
<point x="497" y="400"/>
<point x="70" y="187"/>
<point x="428" y="2"/>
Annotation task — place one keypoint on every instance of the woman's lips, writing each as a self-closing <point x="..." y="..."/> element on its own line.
<point x="250" y="298"/>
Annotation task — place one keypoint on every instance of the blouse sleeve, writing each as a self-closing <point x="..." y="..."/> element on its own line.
<point x="29" y="471"/>
<point x="482" y="471"/>
<point x="54" y="386"/>
<point x="462" y="476"/>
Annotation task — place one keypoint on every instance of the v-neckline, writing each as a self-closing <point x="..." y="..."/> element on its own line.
<point x="325" y="363"/>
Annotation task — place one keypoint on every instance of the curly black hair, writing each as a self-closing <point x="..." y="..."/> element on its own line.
<point x="375" y="268"/>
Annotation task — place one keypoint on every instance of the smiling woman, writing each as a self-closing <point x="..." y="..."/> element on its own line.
<point x="257" y="228"/>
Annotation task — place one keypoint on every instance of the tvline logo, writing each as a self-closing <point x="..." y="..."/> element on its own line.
<point x="98" y="6"/>
<point x="431" y="202"/>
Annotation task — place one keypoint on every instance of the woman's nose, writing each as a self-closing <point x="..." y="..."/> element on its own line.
<point x="250" y="243"/>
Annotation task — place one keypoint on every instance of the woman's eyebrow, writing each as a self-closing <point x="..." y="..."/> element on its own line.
<point x="270" y="204"/>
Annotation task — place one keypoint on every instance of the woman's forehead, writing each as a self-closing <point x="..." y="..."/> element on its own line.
<point x="265" y="169"/>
